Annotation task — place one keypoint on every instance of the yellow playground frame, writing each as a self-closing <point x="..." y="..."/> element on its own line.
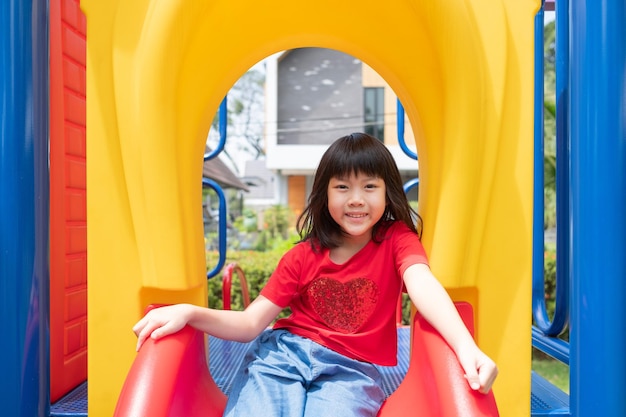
<point x="156" y="73"/>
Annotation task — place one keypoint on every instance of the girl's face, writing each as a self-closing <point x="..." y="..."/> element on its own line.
<point x="357" y="203"/>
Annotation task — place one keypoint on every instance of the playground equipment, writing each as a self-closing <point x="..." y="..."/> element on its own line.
<point x="155" y="83"/>
<point x="175" y="373"/>
<point x="463" y="69"/>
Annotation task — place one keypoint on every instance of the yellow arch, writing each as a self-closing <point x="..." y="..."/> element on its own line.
<point x="157" y="71"/>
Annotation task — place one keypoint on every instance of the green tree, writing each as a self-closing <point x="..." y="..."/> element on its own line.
<point x="549" y="130"/>
<point x="245" y="105"/>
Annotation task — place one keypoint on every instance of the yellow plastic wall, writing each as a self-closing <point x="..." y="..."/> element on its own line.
<point x="156" y="73"/>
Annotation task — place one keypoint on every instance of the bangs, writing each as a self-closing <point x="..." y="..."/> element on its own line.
<point x="355" y="157"/>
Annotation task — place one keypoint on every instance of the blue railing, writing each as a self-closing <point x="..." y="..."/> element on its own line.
<point x="546" y="330"/>
<point x="221" y="228"/>
<point x="400" y="128"/>
<point x="223" y="123"/>
<point x="414" y="182"/>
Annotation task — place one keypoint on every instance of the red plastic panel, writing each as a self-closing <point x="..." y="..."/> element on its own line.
<point x="75" y="140"/>
<point x="68" y="223"/>
<point x="73" y="16"/>
<point x="74" y="76"/>
<point x="75" y="108"/>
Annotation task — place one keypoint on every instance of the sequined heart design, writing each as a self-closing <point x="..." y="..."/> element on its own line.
<point x="344" y="307"/>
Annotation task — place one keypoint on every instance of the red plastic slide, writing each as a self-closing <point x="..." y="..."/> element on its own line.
<point x="171" y="378"/>
<point x="434" y="385"/>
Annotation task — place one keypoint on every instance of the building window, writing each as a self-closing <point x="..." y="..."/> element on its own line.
<point x="374" y="112"/>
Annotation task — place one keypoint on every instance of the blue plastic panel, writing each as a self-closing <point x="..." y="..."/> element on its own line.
<point x="23" y="208"/>
<point x="598" y="150"/>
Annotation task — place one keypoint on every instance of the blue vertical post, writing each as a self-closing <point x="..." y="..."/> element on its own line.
<point x="555" y="326"/>
<point x="598" y="193"/>
<point x="563" y="166"/>
<point x="23" y="208"/>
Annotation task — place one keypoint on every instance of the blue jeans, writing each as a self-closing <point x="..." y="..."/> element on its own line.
<point x="284" y="375"/>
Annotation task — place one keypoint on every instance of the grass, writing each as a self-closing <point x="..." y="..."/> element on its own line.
<point x="552" y="370"/>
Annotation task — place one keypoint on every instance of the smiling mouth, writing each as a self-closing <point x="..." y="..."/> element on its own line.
<point x="356" y="216"/>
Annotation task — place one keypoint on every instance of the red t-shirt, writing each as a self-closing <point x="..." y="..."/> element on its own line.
<point x="349" y="308"/>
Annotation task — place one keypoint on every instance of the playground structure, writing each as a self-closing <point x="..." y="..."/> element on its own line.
<point x="464" y="74"/>
<point x="177" y="375"/>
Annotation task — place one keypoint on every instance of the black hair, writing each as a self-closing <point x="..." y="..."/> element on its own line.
<point x="357" y="153"/>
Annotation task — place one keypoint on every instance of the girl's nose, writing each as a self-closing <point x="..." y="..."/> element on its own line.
<point x="355" y="199"/>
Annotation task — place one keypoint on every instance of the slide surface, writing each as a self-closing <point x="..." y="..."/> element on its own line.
<point x="171" y="378"/>
<point x="156" y="73"/>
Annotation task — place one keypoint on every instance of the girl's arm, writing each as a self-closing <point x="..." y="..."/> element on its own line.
<point x="240" y="326"/>
<point x="435" y="305"/>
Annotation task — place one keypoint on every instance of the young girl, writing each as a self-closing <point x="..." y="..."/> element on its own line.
<point x="359" y="250"/>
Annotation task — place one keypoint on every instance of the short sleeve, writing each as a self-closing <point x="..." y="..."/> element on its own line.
<point x="283" y="284"/>
<point x="408" y="249"/>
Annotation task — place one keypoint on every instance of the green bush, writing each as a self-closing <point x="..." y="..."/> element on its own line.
<point x="549" y="284"/>
<point x="257" y="268"/>
<point x="549" y="279"/>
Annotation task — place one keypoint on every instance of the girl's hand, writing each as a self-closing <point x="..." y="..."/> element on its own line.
<point x="161" y="322"/>
<point x="480" y="370"/>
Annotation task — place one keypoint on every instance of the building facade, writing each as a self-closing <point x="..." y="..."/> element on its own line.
<point x="314" y="96"/>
